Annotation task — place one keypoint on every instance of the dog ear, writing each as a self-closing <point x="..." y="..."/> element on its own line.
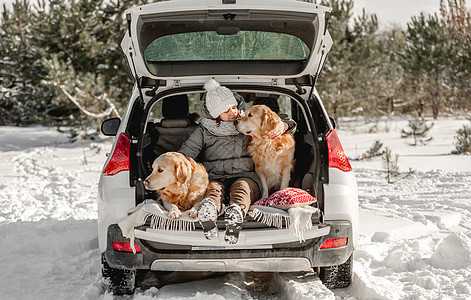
<point x="183" y="170"/>
<point x="269" y="121"/>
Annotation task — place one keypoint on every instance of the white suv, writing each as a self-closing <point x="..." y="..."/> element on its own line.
<point x="268" y="52"/>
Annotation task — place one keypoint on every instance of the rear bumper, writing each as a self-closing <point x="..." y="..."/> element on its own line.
<point x="271" y="264"/>
<point x="278" y="251"/>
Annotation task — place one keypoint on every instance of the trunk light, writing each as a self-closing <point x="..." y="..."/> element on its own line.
<point x="334" y="243"/>
<point x="337" y="157"/>
<point x="120" y="159"/>
<point x="125" y="247"/>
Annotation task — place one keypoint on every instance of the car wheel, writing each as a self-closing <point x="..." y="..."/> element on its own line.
<point x="335" y="277"/>
<point x="117" y="281"/>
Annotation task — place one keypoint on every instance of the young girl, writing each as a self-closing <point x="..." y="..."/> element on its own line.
<point x="223" y="151"/>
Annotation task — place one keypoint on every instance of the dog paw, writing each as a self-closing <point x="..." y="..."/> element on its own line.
<point x="174" y="214"/>
<point x="193" y="213"/>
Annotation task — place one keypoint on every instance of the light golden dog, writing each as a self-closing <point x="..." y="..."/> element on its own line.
<point x="181" y="182"/>
<point x="273" y="158"/>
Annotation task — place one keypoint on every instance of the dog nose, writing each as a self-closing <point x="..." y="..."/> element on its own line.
<point x="146" y="182"/>
<point x="235" y="122"/>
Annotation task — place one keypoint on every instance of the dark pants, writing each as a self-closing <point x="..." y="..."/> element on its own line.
<point x="242" y="191"/>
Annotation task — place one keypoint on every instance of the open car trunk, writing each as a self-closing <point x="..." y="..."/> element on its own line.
<point x="164" y="130"/>
<point x="263" y="51"/>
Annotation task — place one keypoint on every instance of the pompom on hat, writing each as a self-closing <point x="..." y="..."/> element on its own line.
<point x="218" y="98"/>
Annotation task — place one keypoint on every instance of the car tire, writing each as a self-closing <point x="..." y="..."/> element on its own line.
<point x="117" y="281"/>
<point x="336" y="277"/>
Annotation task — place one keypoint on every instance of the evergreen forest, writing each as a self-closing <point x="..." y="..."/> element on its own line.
<point x="61" y="63"/>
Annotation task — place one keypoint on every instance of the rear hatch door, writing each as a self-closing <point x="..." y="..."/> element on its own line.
<point x="200" y="39"/>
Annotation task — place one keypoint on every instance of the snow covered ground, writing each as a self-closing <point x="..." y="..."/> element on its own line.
<point x="415" y="235"/>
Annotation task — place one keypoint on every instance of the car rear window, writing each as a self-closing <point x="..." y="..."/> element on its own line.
<point x="240" y="46"/>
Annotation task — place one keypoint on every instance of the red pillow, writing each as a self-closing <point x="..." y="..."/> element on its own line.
<point x="287" y="198"/>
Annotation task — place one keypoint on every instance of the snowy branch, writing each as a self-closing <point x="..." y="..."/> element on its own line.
<point x="106" y="113"/>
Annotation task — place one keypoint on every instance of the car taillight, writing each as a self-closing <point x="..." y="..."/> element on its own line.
<point x="337" y="157"/>
<point x="334" y="243"/>
<point x="125" y="247"/>
<point x="120" y="159"/>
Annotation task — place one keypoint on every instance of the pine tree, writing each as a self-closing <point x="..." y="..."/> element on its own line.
<point x="457" y="16"/>
<point x="426" y="60"/>
<point x="23" y="99"/>
<point x="360" y="73"/>
<point x="78" y="51"/>
<point x="463" y="139"/>
<point x="391" y="88"/>
<point x="374" y="151"/>
<point x="334" y="82"/>
<point x="391" y="164"/>
<point x="63" y="57"/>
<point x="455" y="13"/>
<point x="418" y="129"/>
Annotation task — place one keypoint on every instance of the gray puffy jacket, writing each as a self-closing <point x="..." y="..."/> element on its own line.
<point x="224" y="157"/>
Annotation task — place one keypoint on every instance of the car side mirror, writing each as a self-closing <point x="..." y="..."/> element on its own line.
<point x="109" y="127"/>
<point x="332" y="121"/>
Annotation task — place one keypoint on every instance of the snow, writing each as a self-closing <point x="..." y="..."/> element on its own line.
<point x="414" y="243"/>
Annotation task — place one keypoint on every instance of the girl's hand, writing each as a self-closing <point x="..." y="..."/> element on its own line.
<point x="279" y="130"/>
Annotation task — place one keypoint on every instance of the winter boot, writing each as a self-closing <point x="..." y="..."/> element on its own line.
<point x="233" y="219"/>
<point x="207" y="217"/>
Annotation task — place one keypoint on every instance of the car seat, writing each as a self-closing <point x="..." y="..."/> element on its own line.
<point x="176" y="125"/>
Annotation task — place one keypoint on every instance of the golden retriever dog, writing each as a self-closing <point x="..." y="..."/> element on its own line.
<point x="181" y="182"/>
<point x="273" y="158"/>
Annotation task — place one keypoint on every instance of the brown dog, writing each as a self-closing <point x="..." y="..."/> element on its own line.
<point x="181" y="181"/>
<point x="273" y="158"/>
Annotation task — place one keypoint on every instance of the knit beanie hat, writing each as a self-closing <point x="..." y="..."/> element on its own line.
<point x="218" y="98"/>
